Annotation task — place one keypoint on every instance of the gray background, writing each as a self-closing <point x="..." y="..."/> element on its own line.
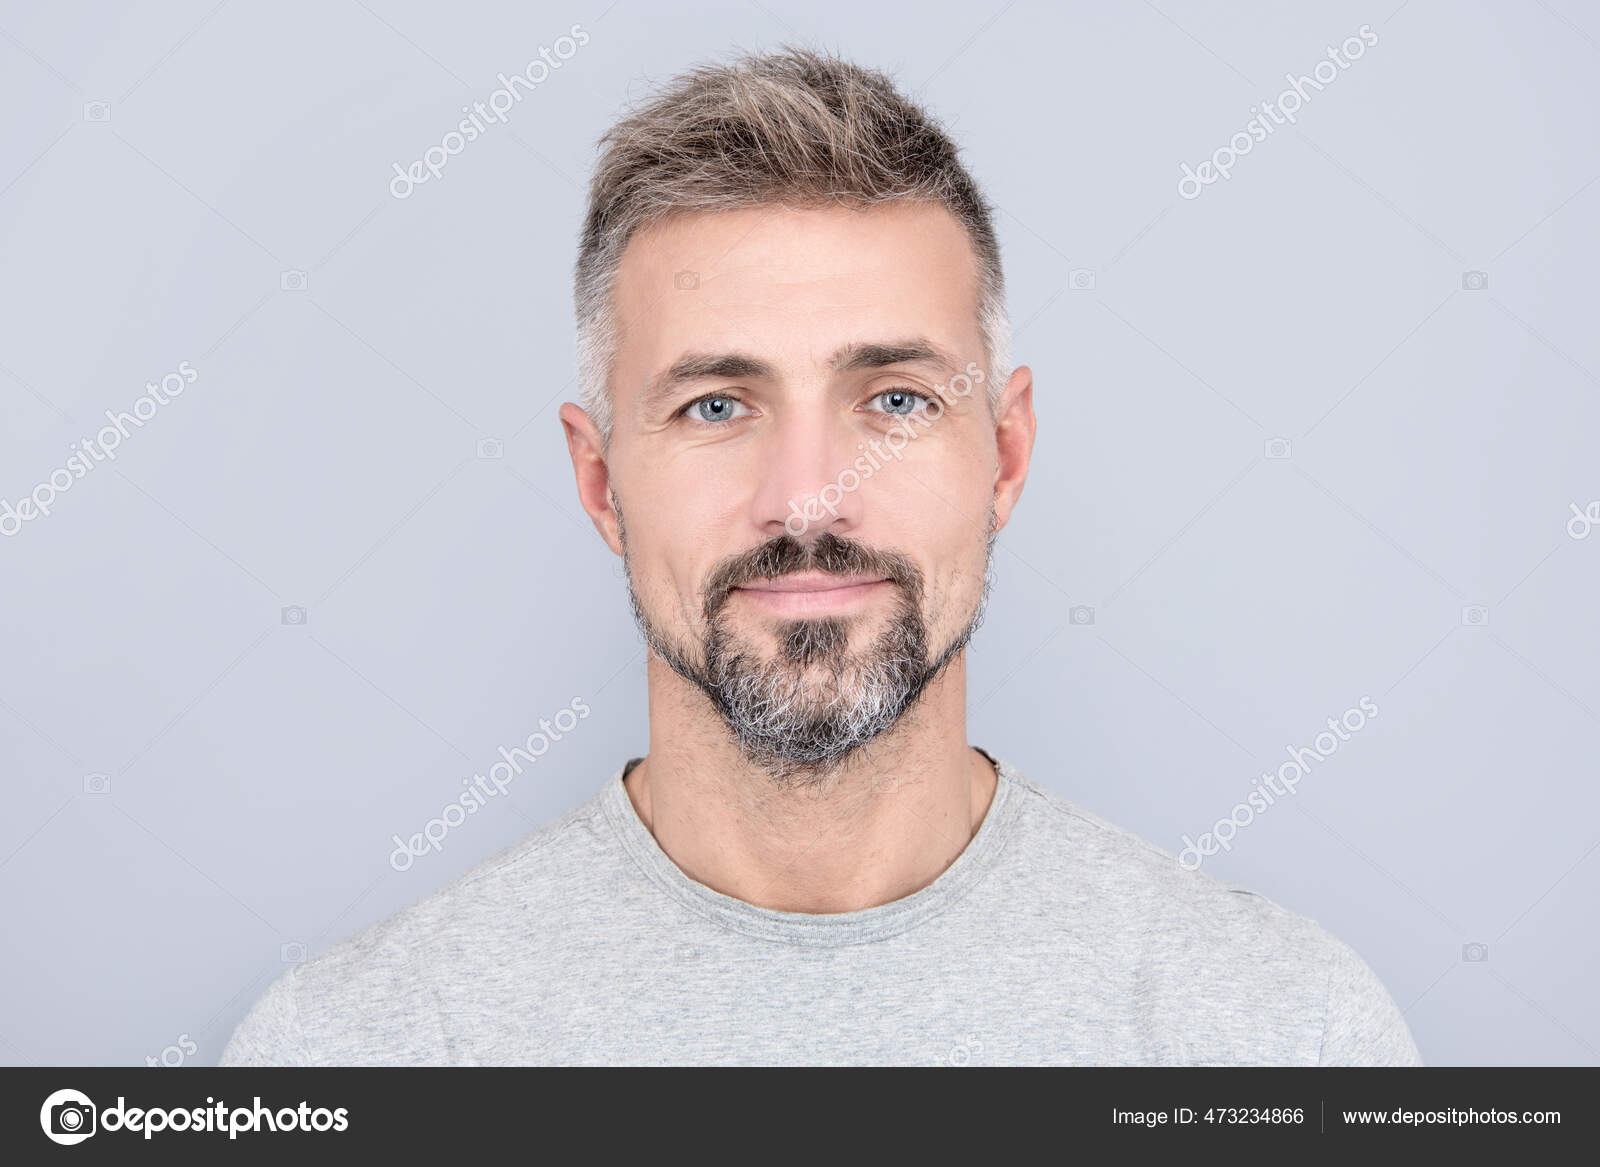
<point x="328" y="457"/>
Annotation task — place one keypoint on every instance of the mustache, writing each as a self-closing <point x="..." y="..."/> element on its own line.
<point x="829" y="553"/>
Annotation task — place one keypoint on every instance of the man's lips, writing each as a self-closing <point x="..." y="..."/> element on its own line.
<point x="809" y="581"/>
<point x="809" y="591"/>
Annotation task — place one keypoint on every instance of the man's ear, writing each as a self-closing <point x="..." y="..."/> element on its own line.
<point x="588" y="452"/>
<point x="1014" y="433"/>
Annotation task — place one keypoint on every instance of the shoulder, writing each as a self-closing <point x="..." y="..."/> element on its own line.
<point x="1135" y="880"/>
<point x="384" y="979"/>
<point x="1181" y="934"/>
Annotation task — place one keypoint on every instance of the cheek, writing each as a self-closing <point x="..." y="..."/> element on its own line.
<point x="960" y="580"/>
<point x="695" y="499"/>
<point x="670" y="568"/>
<point x="935" y="508"/>
<point x="653" y="560"/>
<point x="957" y="553"/>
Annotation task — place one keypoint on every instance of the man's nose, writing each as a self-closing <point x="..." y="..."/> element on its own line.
<point x="809" y="481"/>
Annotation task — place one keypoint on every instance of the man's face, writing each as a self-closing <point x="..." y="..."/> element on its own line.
<point x="806" y="462"/>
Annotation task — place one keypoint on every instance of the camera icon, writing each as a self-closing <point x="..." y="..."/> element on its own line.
<point x="686" y="281"/>
<point x="961" y="1053"/>
<point x="97" y="783"/>
<point x="1081" y="279"/>
<point x="67" y="1117"/>
<point x="72" y="1119"/>
<point x="1474" y="281"/>
<point x="883" y="782"/>
<point x="1474" y="953"/>
<point x="97" y="111"/>
<point x="1474" y="615"/>
<point x="490" y="448"/>
<point x="292" y="280"/>
<point x="1080" y="614"/>
<point x="294" y="614"/>
<point x="294" y="952"/>
<point x="1278" y="449"/>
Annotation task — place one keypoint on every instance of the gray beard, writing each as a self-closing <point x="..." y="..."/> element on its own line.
<point x="801" y="715"/>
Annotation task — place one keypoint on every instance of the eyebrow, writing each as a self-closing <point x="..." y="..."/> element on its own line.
<point x="850" y="358"/>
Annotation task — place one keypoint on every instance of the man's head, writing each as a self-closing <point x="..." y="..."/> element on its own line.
<point x="792" y="345"/>
<point x="795" y="128"/>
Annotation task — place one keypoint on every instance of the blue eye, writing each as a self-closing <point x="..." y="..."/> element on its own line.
<point x="715" y="409"/>
<point x="900" y="401"/>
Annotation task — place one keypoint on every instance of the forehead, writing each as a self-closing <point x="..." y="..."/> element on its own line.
<point x="794" y="283"/>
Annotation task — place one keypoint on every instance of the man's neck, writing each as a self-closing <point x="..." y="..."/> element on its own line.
<point x="885" y="824"/>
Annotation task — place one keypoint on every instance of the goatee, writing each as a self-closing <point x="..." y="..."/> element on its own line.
<point x="801" y="714"/>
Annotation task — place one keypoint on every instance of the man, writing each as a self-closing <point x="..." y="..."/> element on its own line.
<point x="801" y="433"/>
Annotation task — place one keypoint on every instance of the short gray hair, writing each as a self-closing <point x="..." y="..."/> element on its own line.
<point x="795" y="127"/>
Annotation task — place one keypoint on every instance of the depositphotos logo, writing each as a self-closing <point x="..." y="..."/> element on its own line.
<point x="70" y="1116"/>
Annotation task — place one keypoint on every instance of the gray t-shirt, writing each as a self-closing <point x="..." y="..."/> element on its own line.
<point x="1055" y="938"/>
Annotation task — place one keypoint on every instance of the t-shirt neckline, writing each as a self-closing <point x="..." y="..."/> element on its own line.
<point x="823" y="929"/>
